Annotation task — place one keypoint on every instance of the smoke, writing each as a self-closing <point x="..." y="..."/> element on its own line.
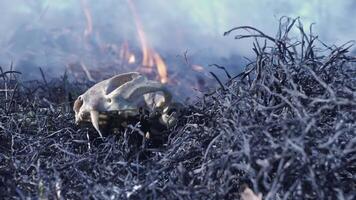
<point x="51" y="33"/>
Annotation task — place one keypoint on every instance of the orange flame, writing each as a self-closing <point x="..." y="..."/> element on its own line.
<point x="126" y="55"/>
<point x="161" y="68"/>
<point x="146" y="52"/>
<point x="89" y="21"/>
<point x="150" y="57"/>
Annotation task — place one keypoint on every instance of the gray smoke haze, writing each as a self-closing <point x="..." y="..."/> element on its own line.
<point x="49" y="33"/>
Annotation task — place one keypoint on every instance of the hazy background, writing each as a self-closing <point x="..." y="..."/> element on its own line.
<point x="49" y="33"/>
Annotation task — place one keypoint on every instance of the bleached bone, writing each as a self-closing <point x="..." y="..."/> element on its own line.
<point x="124" y="93"/>
<point x="248" y="194"/>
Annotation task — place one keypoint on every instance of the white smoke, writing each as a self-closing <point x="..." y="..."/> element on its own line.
<point x="34" y="33"/>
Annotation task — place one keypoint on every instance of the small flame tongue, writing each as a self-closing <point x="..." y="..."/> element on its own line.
<point x="132" y="59"/>
<point x="89" y="21"/>
<point x="150" y="57"/>
<point x="161" y="67"/>
<point x="126" y="54"/>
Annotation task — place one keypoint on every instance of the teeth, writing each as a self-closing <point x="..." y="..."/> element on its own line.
<point x="126" y="92"/>
<point x="102" y="122"/>
<point x="148" y="136"/>
<point x="103" y="116"/>
<point x="94" y="115"/>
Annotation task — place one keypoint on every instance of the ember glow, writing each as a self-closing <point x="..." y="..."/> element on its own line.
<point x="132" y="59"/>
<point x="126" y="55"/>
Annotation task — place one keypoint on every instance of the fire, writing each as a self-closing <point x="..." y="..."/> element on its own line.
<point x="150" y="57"/>
<point x="132" y="59"/>
<point x="89" y="21"/>
<point x="146" y="52"/>
<point x="161" y="68"/>
<point x="126" y="55"/>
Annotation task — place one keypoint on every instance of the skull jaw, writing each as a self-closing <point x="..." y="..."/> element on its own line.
<point x="123" y="95"/>
<point x="81" y="117"/>
<point x="100" y="120"/>
<point x="168" y="117"/>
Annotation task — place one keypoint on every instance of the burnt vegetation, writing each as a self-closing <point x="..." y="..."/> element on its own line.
<point x="285" y="127"/>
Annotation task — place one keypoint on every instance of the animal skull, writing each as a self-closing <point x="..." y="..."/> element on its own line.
<point x="124" y="93"/>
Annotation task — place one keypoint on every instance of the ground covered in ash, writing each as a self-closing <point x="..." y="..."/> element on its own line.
<point x="285" y="127"/>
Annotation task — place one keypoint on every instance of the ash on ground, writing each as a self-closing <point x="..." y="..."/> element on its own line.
<point x="285" y="127"/>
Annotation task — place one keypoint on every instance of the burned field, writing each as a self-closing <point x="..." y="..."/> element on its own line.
<point x="284" y="127"/>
